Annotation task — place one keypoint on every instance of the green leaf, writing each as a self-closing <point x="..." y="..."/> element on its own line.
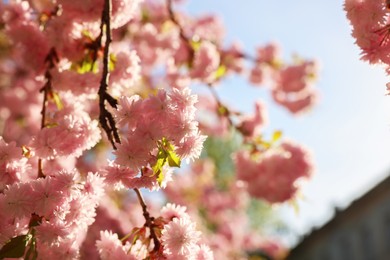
<point x="145" y="16"/>
<point x="161" y="159"/>
<point x="222" y="110"/>
<point x="294" y="204"/>
<point x="173" y="159"/>
<point x="195" y="44"/>
<point x="57" y="100"/>
<point x="276" y="136"/>
<point x="111" y="62"/>
<point x="160" y="178"/>
<point x="86" y="65"/>
<point x="169" y="149"/>
<point x="32" y="253"/>
<point x="220" y="72"/>
<point x="15" y="247"/>
<point x="166" y="153"/>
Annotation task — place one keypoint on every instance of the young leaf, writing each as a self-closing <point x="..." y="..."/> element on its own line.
<point x="161" y="160"/>
<point x="169" y="149"/>
<point x="15" y="247"/>
<point x="32" y="253"/>
<point x="160" y="178"/>
<point x="276" y="136"/>
<point x="57" y="100"/>
<point x="220" y="72"/>
<point x="173" y="159"/>
<point x="112" y="62"/>
<point x="26" y="151"/>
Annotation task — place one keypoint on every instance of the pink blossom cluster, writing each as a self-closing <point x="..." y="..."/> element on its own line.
<point x="179" y="236"/>
<point x="370" y="23"/>
<point x="69" y="132"/>
<point x="273" y="174"/>
<point x="371" y="30"/>
<point x="292" y="85"/>
<point x="64" y="204"/>
<point x="221" y="208"/>
<point x="147" y="121"/>
<point x="161" y="123"/>
<point x="14" y="167"/>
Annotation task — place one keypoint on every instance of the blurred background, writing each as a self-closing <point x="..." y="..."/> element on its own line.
<point x="348" y="131"/>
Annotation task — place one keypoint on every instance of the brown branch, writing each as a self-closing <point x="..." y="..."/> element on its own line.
<point x="182" y="34"/>
<point x="226" y="112"/>
<point x="105" y="118"/>
<point x="51" y="60"/>
<point x="149" y="220"/>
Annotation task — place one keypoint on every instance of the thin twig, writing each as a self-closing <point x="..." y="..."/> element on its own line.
<point x="182" y="34"/>
<point x="51" y="60"/>
<point x="106" y="119"/>
<point x="149" y="220"/>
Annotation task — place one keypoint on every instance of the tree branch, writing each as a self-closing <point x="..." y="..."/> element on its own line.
<point x="105" y="117"/>
<point x="183" y="36"/>
<point x="149" y="220"/>
<point x="51" y="60"/>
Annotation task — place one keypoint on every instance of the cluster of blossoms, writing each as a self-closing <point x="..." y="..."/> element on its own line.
<point x="223" y="208"/>
<point x="272" y="175"/>
<point x="179" y="237"/>
<point x="68" y="66"/>
<point x="292" y="85"/>
<point x="371" y="30"/>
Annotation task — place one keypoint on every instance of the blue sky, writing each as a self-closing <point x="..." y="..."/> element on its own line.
<point x="349" y="130"/>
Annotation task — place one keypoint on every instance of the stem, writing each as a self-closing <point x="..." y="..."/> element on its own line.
<point x="183" y="36"/>
<point x="149" y="220"/>
<point x="51" y="60"/>
<point x="220" y="104"/>
<point x="105" y="118"/>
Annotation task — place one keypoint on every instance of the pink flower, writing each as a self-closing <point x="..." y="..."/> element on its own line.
<point x="293" y="86"/>
<point x="127" y="70"/>
<point x="9" y="152"/>
<point x="52" y="231"/>
<point x="123" y="11"/>
<point x="117" y="175"/>
<point x="268" y="53"/>
<point x="179" y="237"/>
<point x="206" y="62"/>
<point x="129" y="111"/>
<point x="191" y="146"/>
<point x="252" y="126"/>
<point x="171" y="211"/>
<point x="110" y="247"/>
<point x="371" y="32"/>
<point x="273" y="174"/>
<point x="17" y="200"/>
<point x="256" y="75"/>
<point x="203" y="252"/>
<point x="168" y="115"/>
<point x="94" y="186"/>
<point x="27" y="36"/>
<point x="46" y="197"/>
<point x="233" y="59"/>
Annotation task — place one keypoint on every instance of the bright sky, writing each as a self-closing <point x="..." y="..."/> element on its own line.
<point x="349" y="130"/>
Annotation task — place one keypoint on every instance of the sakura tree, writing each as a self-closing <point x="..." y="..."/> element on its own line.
<point x="100" y="104"/>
